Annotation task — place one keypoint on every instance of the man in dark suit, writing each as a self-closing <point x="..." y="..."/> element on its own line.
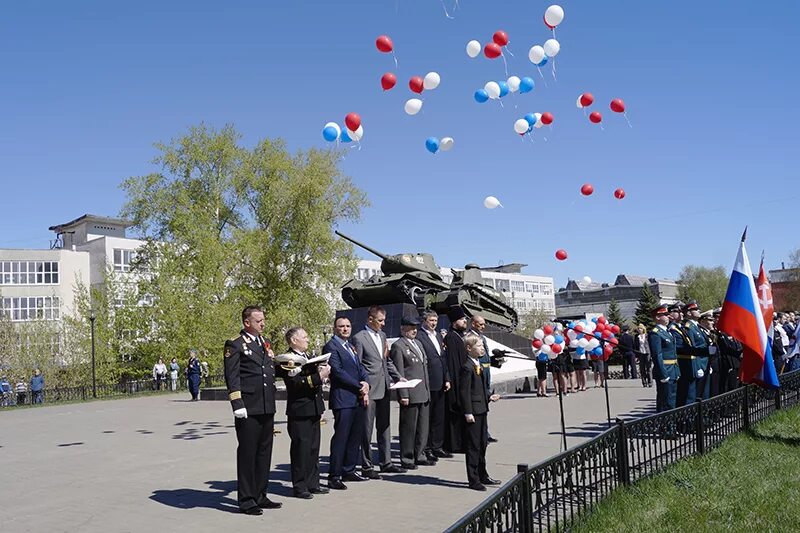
<point x="349" y="397"/>
<point x="304" y="408"/>
<point x="455" y="356"/>
<point x="478" y="324"/>
<point x="626" y="350"/>
<point x="373" y="352"/>
<point x="250" y="379"/>
<point x="438" y="381"/>
<point x="408" y="357"/>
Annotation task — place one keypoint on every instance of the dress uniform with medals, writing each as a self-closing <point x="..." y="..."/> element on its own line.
<point x="700" y="351"/>
<point x="665" y="363"/>
<point x="687" y="362"/>
<point x="250" y="379"/>
<point x="707" y="329"/>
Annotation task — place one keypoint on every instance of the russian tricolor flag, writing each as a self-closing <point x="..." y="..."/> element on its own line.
<point x="741" y="318"/>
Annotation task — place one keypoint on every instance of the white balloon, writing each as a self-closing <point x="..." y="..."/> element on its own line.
<point x="538" y="124"/>
<point x="334" y="126"/>
<point x="413" y="106"/>
<point x="551" y="47"/>
<point x="431" y="81"/>
<point x="583" y="343"/>
<point x="573" y="343"/>
<point x="546" y="348"/>
<point x="590" y="326"/>
<point x="521" y="126"/>
<point x="554" y="15"/>
<point x="536" y="54"/>
<point x="587" y="279"/>
<point x="492" y="89"/>
<point x="549" y="339"/>
<point x="578" y="103"/>
<point x="446" y="144"/>
<point x="473" y="49"/>
<point x="572" y="334"/>
<point x="594" y="343"/>
<point x="490" y="202"/>
<point x="513" y="84"/>
<point x="356" y="135"/>
<point x="538" y="334"/>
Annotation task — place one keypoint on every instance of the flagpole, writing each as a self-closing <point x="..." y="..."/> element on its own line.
<point x="744" y="234"/>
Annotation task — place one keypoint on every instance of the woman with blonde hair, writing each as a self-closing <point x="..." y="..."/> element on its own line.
<point x="642" y="351"/>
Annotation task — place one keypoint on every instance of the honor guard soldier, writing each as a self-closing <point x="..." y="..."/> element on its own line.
<point x="687" y="384"/>
<point x="665" y="363"/>
<point x="250" y="378"/>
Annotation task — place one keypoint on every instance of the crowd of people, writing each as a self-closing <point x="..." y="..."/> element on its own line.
<point x="16" y="392"/>
<point x="443" y="386"/>
<point x="194" y="371"/>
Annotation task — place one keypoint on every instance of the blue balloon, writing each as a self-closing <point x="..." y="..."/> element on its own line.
<point x="526" y="85"/>
<point x="542" y="357"/>
<point x="594" y="320"/>
<point x="598" y="351"/>
<point x="531" y="118"/>
<point x="580" y="351"/>
<point x="481" y="96"/>
<point x="344" y="137"/>
<point x="503" y="88"/>
<point x="432" y="144"/>
<point x="571" y="324"/>
<point x="543" y="62"/>
<point x="598" y="335"/>
<point x="330" y="134"/>
<point x="558" y="339"/>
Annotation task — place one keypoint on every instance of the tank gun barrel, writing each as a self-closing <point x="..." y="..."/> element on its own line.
<point x="361" y="245"/>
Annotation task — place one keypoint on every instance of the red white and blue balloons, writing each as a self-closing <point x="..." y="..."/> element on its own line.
<point x="553" y="16"/>
<point x="595" y="337"/>
<point x="548" y="340"/>
<point x="331" y="131"/>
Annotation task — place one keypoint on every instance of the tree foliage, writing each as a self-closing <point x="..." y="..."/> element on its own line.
<point x="531" y="320"/>
<point x="613" y="313"/>
<point x="704" y="284"/>
<point x="644" y="311"/>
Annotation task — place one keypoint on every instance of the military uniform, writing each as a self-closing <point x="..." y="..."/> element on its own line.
<point x="250" y="379"/>
<point x="687" y="362"/>
<point x="665" y="366"/>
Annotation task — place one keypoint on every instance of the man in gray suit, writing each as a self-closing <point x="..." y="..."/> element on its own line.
<point x="373" y="351"/>
<point x="409" y="358"/>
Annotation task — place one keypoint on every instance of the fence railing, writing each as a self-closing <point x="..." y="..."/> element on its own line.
<point x="105" y="390"/>
<point x="553" y="494"/>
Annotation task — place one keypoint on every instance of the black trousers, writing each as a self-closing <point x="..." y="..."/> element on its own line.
<point x="253" y="458"/>
<point x="304" y="452"/>
<point x="644" y="369"/>
<point x="629" y="365"/>
<point x="475" y="443"/>
<point x="348" y="432"/>
<point x="413" y="432"/>
<point x="436" y="416"/>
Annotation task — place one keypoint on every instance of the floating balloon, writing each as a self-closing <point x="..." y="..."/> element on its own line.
<point x="473" y="49"/>
<point x="384" y="44"/>
<point x="331" y="131"/>
<point x="547" y="118"/>
<point x="447" y="144"/>
<point x="413" y="106"/>
<point x="536" y="55"/>
<point x="503" y="88"/>
<point x="587" y="279"/>
<point x="432" y="144"/>
<point x="500" y="38"/>
<point x="490" y="202"/>
<point x="617" y="105"/>
<point x="388" y="81"/>
<point x="526" y="85"/>
<point x="513" y="84"/>
<point x="356" y="134"/>
<point x="585" y="100"/>
<point x="481" y="96"/>
<point x="551" y="47"/>
<point x="416" y="84"/>
<point x="521" y="126"/>
<point x="352" y="121"/>
<point x="431" y="81"/>
<point x="596" y="117"/>
<point x="561" y="254"/>
<point x="553" y="16"/>
<point x="344" y="137"/>
<point x="492" y="50"/>
<point x="587" y="189"/>
<point x="492" y="88"/>
<point x="538" y="124"/>
<point x="619" y="194"/>
<point x="530" y="118"/>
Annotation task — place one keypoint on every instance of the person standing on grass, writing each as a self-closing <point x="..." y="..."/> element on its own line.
<point x="159" y="373"/>
<point x="173" y="373"/>
<point x="37" y="387"/>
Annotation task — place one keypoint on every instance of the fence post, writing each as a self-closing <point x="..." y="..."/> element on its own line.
<point x="83" y="393"/>
<point x="700" y="426"/>
<point x="526" y="509"/>
<point x="746" y="408"/>
<point x="623" y="474"/>
<point x="778" y="399"/>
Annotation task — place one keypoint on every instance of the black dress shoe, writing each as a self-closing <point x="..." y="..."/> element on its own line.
<point x="425" y="462"/>
<point x="490" y="481"/>
<point x="369" y="474"/>
<point x="304" y="495"/>
<point x="255" y="510"/>
<point x="432" y="458"/>
<point x="442" y="454"/>
<point x="393" y="469"/>
<point x="491" y="439"/>
<point x="266" y="503"/>
<point x="354" y="476"/>
<point x="336" y="484"/>
<point x="478" y="486"/>
<point x="406" y="467"/>
<point x="319" y="490"/>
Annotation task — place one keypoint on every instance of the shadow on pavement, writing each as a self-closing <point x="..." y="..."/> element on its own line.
<point x="217" y="498"/>
<point x="418" y="479"/>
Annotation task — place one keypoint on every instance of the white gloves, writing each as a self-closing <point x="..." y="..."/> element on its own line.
<point x="700" y="373"/>
<point x="664" y="380"/>
<point x="712" y="350"/>
<point x="240" y="413"/>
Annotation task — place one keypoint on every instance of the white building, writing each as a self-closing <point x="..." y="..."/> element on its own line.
<point x="524" y="292"/>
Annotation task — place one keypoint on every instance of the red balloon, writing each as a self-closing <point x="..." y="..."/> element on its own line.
<point x="384" y="44"/>
<point x="615" y="329"/>
<point x="548" y="330"/>
<point x="613" y="342"/>
<point x="492" y="50"/>
<point x="607" y="333"/>
<point x="561" y="254"/>
<point x="588" y="336"/>
<point x="617" y="105"/>
<point x="596" y="117"/>
<point x="587" y="189"/>
<point x="500" y="37"/>
<point x="556" y="348"/>
<point x="602" y="320"/>
<point x="587" y="99"/>
<point x="536" y="343"/>
<point x="578" y="328"/>
<point x="416" y="84"/>
<point x="388" y="81"/>
<point x="619" y="194"/>
<point x="600" y="327"/>
<point x="547" y="118"/>
<point x="352" y="121"/>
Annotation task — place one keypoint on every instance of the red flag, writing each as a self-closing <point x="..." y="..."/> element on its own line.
<point x="764" y="291"/>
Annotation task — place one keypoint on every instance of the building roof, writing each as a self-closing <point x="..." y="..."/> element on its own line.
<point x="511" y="268"/>
<point x="94" y="218"/>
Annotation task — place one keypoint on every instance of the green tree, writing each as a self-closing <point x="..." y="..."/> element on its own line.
<point x="531" y="320"/>
<point x="613" y="313"/>
<point x="704" y="284"/>
<point x="644" y="311"/>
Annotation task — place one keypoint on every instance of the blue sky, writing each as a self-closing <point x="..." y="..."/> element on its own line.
<point x="710" y="87"/>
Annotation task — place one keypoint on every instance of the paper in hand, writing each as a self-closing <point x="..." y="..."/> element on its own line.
<point x="410" y="384"/>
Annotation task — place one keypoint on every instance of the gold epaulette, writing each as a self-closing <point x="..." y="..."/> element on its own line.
<point x="235" y="395"/>
<point x="654" y="330"/>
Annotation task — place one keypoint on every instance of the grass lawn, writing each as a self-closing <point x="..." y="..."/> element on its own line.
<point x="750" y="483"/>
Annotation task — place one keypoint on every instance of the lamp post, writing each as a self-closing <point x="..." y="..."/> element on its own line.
<point x="92" y="318"/>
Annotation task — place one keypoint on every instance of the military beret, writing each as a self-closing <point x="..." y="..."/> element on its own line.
<point x="456" y="313"/>
<point x="409" y="321"/>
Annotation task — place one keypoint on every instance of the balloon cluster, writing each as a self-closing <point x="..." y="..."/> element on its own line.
<point x="494" y="90"/>
<point x="548" y="342"/>
<point x="532" y="120"/>
<point x="353" y="130"/>
<point x="587" y="189"/>
<point x="595" y="337"/>
<point x="491" y="50"/>
<point x="585" y="100"/>
<point x="433" y="144"/>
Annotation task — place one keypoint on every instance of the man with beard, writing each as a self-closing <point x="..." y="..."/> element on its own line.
<point x="455" y="356"/>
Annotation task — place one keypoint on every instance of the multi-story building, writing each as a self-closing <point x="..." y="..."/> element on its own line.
<point x="525" y="292"/>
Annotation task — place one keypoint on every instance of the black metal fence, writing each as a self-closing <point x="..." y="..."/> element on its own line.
<point x="550" y="496"/>
<point x="121" y="389"/>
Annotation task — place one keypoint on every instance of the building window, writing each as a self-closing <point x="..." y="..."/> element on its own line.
<point x="29" y="273"/>
<point x="502" y="285"/>
<point x="31" y="308"/>
<point x="517" y="286"/>
<point x="547" y="289"/>
<point x="123" y="260"/>
<point x="531" y="287"/>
